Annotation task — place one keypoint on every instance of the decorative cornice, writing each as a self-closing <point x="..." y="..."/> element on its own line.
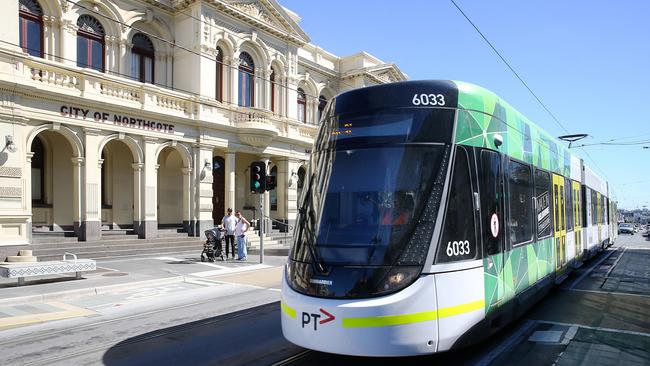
<point x="257" y="12"/>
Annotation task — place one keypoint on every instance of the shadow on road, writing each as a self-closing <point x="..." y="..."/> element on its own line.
<point x="248" y="337"/>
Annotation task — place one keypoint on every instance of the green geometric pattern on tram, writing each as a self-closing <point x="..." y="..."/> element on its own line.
<point x="482" y="115"/>
<point x="523" y="267"/>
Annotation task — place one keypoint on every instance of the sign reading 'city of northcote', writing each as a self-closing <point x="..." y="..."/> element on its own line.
<point x="114" y="118"/>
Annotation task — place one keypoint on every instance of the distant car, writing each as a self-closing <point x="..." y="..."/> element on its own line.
<point x="626" y="229"/>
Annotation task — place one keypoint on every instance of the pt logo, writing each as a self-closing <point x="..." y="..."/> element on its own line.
<point x="311" y="318"/>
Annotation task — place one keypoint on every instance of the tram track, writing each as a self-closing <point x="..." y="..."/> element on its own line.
<point x="297" y="357"/>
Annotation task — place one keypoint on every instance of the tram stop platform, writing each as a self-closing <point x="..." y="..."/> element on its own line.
<point x="599" y="316"/>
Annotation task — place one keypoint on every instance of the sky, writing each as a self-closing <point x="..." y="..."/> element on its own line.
<point x="588" y="61"/>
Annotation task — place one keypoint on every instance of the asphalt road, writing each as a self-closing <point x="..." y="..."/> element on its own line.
<point x="234" y="320"/>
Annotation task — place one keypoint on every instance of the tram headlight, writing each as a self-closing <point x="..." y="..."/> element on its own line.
<point x="398" y="278"/>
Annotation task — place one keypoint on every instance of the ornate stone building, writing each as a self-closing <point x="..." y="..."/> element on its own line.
<point x="143" y="114"/>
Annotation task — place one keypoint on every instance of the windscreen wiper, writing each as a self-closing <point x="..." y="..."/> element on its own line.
<point x="311" y="248"/>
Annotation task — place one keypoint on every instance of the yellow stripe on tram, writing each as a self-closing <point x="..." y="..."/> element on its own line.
<point x="389" y="320"/>
<point x="288" y="310"/>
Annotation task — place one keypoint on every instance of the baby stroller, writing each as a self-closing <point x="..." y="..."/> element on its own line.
<point x="212" y="248"/>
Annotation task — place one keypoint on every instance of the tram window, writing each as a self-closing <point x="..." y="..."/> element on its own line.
<point x="578" y="211"/>
<point x="568" y="192"/>
<point x="490" y="185"/>
<point x="543" y="198"/>
<point x="594" y="208"/>
<point x="458" y="240"/>
<point x="583" y="206"/>
<point x="520" y="201"/>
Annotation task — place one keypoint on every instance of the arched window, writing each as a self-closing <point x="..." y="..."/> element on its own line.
<point x="30" y="17"/>
<point x="272" y="78"/>
<point x="246" y="80"/>
<point x="142" y="58"/>
<point x="90" y="43"/>
<point x="302" y="105"/>
<point x="322" y="102"/>
<point x="219" y="75"/>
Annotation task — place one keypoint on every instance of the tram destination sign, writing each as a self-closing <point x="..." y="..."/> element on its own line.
<point x="87" y="114"/>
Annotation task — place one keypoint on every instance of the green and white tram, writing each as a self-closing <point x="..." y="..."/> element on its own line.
<point x="433" y="214"/>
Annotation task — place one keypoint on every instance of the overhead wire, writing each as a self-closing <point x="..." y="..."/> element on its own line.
<point x="555" y="119"/>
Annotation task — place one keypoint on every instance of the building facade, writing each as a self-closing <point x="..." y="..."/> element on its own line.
<point x="147" y="113"/>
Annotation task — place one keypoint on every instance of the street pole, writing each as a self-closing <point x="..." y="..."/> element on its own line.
<point x="262" y="228"/>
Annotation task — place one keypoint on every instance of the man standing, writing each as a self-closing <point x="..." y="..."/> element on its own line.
<point x="228" y="223"/>
<point x="240" y="229"/>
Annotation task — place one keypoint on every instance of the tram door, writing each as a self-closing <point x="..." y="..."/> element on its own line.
<point x="599" y="218"/>
<point x="577" y="216"/>
<point x="492" y="218"/>
<point x="559" y="220"/>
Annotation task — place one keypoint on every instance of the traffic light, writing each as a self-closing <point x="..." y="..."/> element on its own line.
<point x="258" y="177"/>
<point x="270" y="182"/>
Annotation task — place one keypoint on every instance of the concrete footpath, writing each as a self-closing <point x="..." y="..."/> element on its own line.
<point x="119" y="281"/>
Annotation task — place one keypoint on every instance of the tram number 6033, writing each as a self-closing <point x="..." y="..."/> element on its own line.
<point x="456" y="248"/>
<point x="428" y="99"/>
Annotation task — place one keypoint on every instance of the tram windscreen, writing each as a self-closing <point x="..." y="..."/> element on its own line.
<point x="364" y="203"/>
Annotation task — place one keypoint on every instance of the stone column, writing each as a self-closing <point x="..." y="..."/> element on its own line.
<point x="187" y="200"/>
<point x="169" y="75"/>
<point x="230" y="180"/>
<point x="234" y="81"/>
<point x="27" y="194"/>
<point x="267" y="88"/>
<point x="138" y="216"/>
<point x="292" y="98"/>
<point x="149" y="226"/>
<point x="124" y="61"/>
<point x="203" y="190"/>
<point x="68" y="43"/>
<point x="48" y="41"/>
<point x="77" y="198"/>
<point x="91" y="223"/>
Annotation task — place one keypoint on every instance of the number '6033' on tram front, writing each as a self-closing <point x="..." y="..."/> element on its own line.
<point x="433" y="214"/>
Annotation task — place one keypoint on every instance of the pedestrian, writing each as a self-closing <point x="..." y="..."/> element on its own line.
<point x="229" y="222"/>
<point x="240" y="232"/>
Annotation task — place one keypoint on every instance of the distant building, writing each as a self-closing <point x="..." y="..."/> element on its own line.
<point x="144" y="114"/>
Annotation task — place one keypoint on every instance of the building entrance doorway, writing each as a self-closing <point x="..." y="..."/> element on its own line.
<point x="52" y="184"/>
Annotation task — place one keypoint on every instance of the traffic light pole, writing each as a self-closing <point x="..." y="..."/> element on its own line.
<point x="262" y="228"/>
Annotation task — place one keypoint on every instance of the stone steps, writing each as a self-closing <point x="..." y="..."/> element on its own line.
<point x="114" y="246"/>
<point x="96" y="252"/>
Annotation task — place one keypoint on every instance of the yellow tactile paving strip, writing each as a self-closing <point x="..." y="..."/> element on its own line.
<point x="67" y="311"/>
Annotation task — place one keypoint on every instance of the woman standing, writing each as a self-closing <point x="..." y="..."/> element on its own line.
<point x="240" y="229"/>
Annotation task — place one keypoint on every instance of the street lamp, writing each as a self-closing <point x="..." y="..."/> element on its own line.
<point x="9" y="144"/>
<point x="572" y="138"/>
